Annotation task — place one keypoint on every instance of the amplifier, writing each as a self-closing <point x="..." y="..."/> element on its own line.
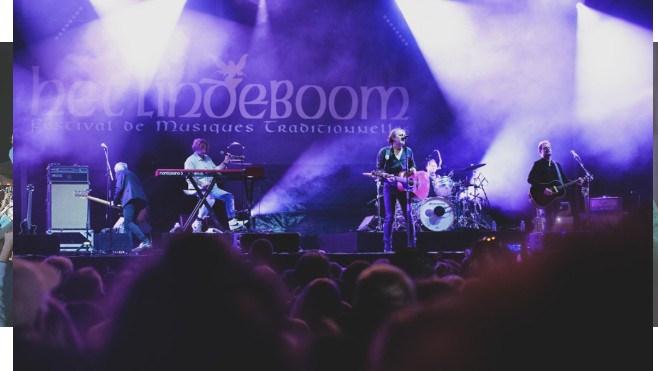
<point x="116" y="242"/>
<point x="68" y="174"/>
<point x="606" y="203"/>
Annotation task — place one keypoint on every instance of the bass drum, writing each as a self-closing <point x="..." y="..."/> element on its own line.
<point x="437" y="214"/>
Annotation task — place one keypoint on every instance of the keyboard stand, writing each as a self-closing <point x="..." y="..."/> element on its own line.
<point x="202" y="200"/>
<point x="248" y="175"/>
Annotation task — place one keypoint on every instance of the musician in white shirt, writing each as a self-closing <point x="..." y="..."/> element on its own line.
<point x="200" y="160"/>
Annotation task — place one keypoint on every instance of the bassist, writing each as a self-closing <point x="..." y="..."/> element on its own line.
<point x="544" y="173"/>
<point x="129" y="193"/>
<point x="396" y="159"/>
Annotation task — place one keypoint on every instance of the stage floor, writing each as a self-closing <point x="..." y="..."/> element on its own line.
<point x="341" y="248"/>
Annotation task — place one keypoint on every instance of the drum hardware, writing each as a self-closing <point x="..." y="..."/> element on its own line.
<point x="472" y="167"/>
<point x="399" y="222"/>
<point x="377" y="201"/>
<point x="471" y="202"/>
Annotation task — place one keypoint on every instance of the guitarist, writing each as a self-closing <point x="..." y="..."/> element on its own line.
<point x="396" y="159"/>
<point x="545" y="171"/>
<point x="129" y="193"/>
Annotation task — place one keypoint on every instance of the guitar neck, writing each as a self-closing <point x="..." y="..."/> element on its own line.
<point x="29" y="210"/>
<point x="568" y="184"/>
<point x="100" y="200"/>
<point x="384" y="175"/>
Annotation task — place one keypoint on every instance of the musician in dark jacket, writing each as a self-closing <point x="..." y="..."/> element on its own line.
<point x="397" y="160"/>
<point x="129" y="193"/>
<point x="546" y="173"/>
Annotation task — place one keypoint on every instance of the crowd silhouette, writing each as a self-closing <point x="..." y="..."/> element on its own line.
<point x="200" y="305"/>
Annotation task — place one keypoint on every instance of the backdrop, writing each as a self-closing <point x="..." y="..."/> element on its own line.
<point x="311" y="91"/>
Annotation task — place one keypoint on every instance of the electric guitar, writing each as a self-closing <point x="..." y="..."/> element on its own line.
<point x="86" y="195"/>
<point x="540" y="200"/>
<point x="26" y="225"/>
<point x="140" y="219"/>
<point x="419" y="183"/>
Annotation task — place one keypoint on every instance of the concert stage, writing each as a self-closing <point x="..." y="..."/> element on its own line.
<point x="342" y="248"/>
<point x="348" y="242"/>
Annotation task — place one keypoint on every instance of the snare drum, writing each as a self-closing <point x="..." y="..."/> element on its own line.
<point x="437" y="214"/>
<point x="443" y="186"/>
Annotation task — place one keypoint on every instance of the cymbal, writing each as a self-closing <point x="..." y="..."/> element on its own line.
<point x="472" y="167"/>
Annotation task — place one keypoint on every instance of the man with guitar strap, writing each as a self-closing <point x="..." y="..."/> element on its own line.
<point x="129" y="193"/>
<point x="397" y="160"/>
<point x="548" y="184"/>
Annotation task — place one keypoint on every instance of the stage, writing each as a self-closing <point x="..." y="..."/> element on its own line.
<point x="342" y="248"/>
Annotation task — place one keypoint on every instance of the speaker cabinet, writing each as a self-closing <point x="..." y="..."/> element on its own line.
<point x="606" y="204"/>
<point x="65" y="210"/>
<point x="369" y="224"/>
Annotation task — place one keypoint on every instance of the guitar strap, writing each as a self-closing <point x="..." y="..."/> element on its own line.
<point x="559" y="176"/>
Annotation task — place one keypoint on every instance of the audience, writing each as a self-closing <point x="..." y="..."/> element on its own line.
<point x="574" y="308"/>
<point x="349" y="276"/>
<point x="64" y="267"/>
<point x="200" y="305"/>
<point x="260" y="252"/>
<point x="44" y="335"/>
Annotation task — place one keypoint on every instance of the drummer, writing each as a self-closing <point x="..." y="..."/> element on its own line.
<point x="432" y="166"/>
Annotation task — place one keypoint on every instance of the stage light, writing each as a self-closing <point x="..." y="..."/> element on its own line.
<point x="141" y="32"/>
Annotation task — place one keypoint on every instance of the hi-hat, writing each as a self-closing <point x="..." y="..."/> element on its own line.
<point x="472" y="167"/>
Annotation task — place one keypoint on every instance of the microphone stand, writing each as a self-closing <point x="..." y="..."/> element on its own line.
<point x="585" y="190"/>
<point x="110" y="179"/>
<point x="380" y="222"/>
<point x="408" y="196"/>
<point x="247" y="190"/>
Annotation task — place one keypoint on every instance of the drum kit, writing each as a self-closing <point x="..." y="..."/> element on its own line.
<point x="459" y="204"/>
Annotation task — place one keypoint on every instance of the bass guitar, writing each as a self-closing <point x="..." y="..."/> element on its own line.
<point x="26" y="227"/>
<point x="540" y="200"/>
<point x="140" y="219"/>
<point x="418" y="183"/>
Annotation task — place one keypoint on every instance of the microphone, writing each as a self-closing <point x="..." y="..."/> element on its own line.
<point x="104" y="146"/>
<point x="574" y="154"/>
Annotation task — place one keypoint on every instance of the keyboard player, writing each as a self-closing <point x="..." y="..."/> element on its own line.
<point x="200" y="160"/>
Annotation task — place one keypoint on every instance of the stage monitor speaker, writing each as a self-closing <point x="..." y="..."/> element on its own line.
<point x="65" y="210"/>
<point x="282" y="242"/>
<point x="115" y="242"/>
<point x="369" y="224"/>
<point x="36" y="244"/>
